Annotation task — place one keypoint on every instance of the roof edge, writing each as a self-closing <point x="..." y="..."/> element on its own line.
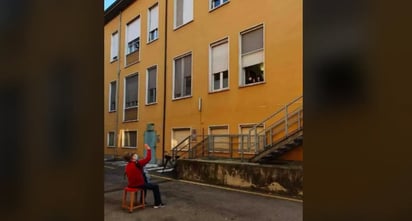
<point x="115" y="8"/>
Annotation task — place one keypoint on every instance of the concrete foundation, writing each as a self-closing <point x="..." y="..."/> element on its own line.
<point x="286" y="180"/>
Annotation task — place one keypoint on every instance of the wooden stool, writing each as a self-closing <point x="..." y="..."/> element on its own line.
<point x="133" y="197"/>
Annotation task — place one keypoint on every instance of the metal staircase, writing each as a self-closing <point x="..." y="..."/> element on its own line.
<point x="283" y="132"/>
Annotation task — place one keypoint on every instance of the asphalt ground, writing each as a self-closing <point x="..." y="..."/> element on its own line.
<point x="195" y="201"/>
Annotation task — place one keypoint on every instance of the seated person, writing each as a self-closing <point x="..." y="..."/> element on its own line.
<point x="136" y="177"/>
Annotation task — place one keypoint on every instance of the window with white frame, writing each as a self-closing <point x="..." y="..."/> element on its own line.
<point x="151" y="85"/>
<point x="219" y="136"/>
<point x="182" y="81"/>
<point x="244" y="130"/>
<point x="130" y="139"/>
<point x="178" y="135"/>
<point x="252" y="56"/>
<point x="130" y="98"/>
<point x="183" y="12"/>
<point x="114" y="47"/>
<point x="112" y="97"/>
<point x="153" y="20"/>
<point x="217" y="3"/>
<point x="111" y="139"/>
<point x="219" y="59"/>
<point x="133" y="36"/>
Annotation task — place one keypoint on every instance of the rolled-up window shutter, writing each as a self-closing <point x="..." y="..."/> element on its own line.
<point x="252" y="41"/>
<point x="154" y="17"/>
<point x="219" y="58"/>
<point x="133" y="30"/>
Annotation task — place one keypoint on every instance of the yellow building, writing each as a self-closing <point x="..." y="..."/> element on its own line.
<point x="180" y="68"/>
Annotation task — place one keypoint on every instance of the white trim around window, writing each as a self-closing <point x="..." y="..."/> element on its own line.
<point x="183" y="13"/>
<point x="132" y="133"/>
<point x="114" y="46"/>
<point x="134" y="103"/>
<point x="214" y="4"/>
<point x="182" y="62"/>
<point x="151" y="87"/>
<point x="251" y="56"/>
<point x="153" y="23"/>
<point x="109" y="133"/>
<point x="113" y="96"/>
<point x="219" y="65"/>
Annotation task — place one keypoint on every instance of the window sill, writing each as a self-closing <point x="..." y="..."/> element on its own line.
<point x="150" y="104"/>
<point x="178" y="27"/>
<point x="130" y="121"/>
<point x="113" y="61"/>
<point x="129" y="147"/>
<point x="112" y="111"/>
<point x="149" y="42"/>
<point x="218" y="91"/>
<point x="213" y="9"/>
<point x="252" y="84"/>
<point x="128" y="65"/>
<point x="181" y="98"/>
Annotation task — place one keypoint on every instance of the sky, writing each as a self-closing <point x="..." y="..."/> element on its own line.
<point x="107" y="3"/>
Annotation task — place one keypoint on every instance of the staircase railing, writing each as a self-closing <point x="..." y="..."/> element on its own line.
<point x="184" y="149"/>
<point x="279" y="125"/>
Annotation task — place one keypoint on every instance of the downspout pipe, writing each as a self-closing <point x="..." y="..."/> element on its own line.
<point x="117" y="86"/>
<point x="164" y="86"/>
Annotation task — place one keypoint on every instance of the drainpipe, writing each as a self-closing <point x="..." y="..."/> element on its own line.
<point x="164" y="87"/>
<point x="118" y="85"/>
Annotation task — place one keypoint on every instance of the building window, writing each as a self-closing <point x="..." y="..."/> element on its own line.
<point x="178" y="135"/>
<point x="151" y="85"/>
<point x="252" y="56"/>
<point x="153" y="20"/>
<point x="110" y="139"/>
<point x="132" y="41"/>
<point x="219" y="138"/>
<point x="114" y="49"/>
<point x="131" y="95"/>
<point x="130" y="139"/>
<point x="219" y="65"/>
<point x="244" y="130"/>
<point x="217" y="3"/>
<point x="183" y="12"/>
<point x="182" y="84"/>
<point x="112" y="97"/>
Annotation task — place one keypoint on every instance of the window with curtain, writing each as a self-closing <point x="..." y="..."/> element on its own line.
<point x="219" y="65"/>
<point x="153" y="19"/>
<point x="110" y="139"/>
<point x="133" y="36"/>
<point x="252" y="56"/>
<point x="151" y="85"/>
<point x="183" y="12"/>
<point x="183" y="76"/>
<point x="130" y="139"/>
<point x="114" y="49"/>
<point x="217" y="3"/>
<point x="112" y="97"/>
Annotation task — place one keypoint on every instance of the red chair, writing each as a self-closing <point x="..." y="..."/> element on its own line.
<point x="134" y="202"/>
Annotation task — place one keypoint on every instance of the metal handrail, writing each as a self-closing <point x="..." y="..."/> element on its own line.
<point x="284" y="120"/>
